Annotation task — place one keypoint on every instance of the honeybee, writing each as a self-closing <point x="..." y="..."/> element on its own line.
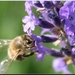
<point x="17" y="50"/>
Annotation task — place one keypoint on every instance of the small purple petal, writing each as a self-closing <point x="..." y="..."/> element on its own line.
<point x="26" y="19"/>
<point x="29" y="25"/>
<point x="40" y="56"/>
<point x="25" y="28"/>
<point x="60" y="66"/>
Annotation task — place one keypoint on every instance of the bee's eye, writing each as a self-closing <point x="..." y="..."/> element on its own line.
<point x="28" y="41"/>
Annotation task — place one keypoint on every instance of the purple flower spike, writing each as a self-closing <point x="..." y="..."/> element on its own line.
<point x="58" y="19"/>
<point x="60" y="66"/>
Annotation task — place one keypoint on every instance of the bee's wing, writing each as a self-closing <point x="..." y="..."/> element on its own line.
<point x="4" y="42"/>
<point x="5" y="64"/>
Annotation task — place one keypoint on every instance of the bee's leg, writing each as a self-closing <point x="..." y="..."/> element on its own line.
<point x="30" y="54"/>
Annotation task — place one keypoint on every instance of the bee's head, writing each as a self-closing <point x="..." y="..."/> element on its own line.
<point x="28" y="41"/>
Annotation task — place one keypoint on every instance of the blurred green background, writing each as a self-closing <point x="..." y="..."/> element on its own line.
<point x="11" y="14"/>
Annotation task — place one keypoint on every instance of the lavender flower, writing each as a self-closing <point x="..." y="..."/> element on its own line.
<point x="29" y="23"/>
<point x="59" y="22"/>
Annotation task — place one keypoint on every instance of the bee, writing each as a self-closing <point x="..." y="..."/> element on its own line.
<point x="18" y="50"/>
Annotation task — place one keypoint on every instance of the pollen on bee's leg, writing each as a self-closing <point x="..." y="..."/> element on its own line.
<point x="40" y="9"/>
